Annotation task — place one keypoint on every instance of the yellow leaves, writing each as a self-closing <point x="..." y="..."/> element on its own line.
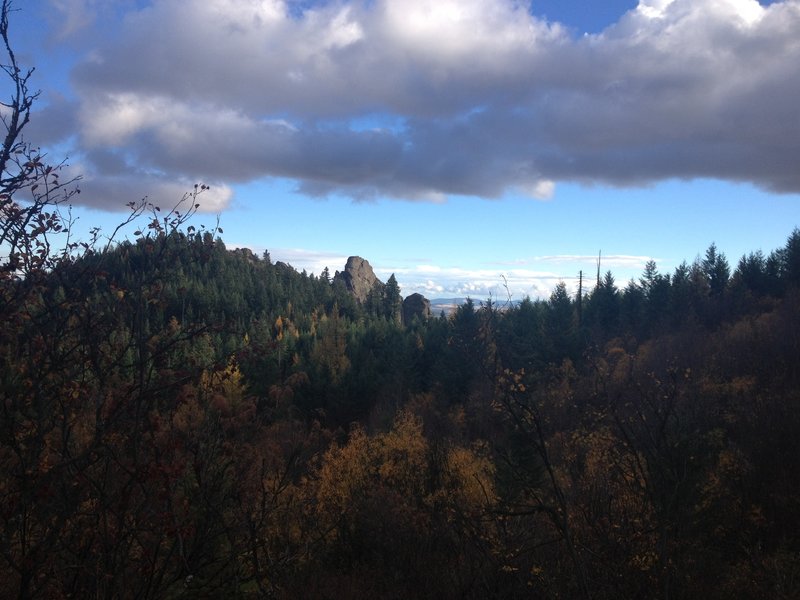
<point x="511" y="381"/>
<point x="644" y="561"/>
<point x="509" y="569"/>
<point x="722" y="482"/>
<point x="330" y="348"/>
<point x="395" y="461"/>
<point x="400" y="466"/>
<point x="472" y="477"/>
<point x="402" y="454"/>
<point x="226" y="381"/>
<point x="345" y="472"/>
<point x="284" y="326"/>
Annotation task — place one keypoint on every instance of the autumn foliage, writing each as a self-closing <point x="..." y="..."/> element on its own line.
<point x="181" y="420"/>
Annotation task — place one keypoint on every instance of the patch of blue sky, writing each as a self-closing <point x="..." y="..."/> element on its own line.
<point x="581" y="16"/>
<point x="379" y="122"/>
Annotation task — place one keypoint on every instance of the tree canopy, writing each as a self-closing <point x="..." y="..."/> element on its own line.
<point x="182" y="420"/>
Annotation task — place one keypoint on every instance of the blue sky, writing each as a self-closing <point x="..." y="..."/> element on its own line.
<point x="456" y="143"/>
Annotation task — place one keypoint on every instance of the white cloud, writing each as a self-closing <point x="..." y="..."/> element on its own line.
<point x="484" y="98"/>
<point x="428" y="269"/>
<point x="342" y="31"/>
<point x="540" y="190"/>
<point x="312" y="261"/>
<point x="74" y="16"/>
<point x="749" y="11"/>
<point x="480" y="284"/>
<point x="535" y="278"/>
<point x="446" y="32"/>
<point x="114" y="187"/>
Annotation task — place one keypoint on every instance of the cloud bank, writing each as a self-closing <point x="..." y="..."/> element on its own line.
<point x="425" y="99"/>
<point x="534" y="277"/>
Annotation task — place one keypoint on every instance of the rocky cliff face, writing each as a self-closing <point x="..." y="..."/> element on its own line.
<point x="358" y="277"/>
<point x="416" y="305"/>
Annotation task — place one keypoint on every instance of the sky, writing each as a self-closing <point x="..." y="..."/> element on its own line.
<point x="482" y="148"/>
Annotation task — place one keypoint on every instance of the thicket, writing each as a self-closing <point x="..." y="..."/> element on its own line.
<point x="181" y="420"/>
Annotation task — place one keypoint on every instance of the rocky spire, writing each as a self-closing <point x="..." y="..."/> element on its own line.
<point x="358" y="277"/>
<point x="416" y="305"/>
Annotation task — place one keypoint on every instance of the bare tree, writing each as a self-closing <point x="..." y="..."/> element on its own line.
<point x="31" y="190"/>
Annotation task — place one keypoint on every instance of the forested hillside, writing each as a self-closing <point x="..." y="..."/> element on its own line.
<point x="182" y="420"/>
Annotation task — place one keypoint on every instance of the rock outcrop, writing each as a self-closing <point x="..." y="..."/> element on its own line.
<point x="416" y="305"/>
<point x="360" y="281"/>
<point x="358" y="278"/>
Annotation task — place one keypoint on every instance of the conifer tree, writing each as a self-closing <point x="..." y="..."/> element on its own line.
<point x="392" y="301"/>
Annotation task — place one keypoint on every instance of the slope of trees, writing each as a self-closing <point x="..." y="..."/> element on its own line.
<point x="181" y="420"/>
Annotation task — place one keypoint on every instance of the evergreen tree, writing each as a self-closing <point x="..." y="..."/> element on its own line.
<point x="656" y="288"/>
<point x="604" y="307"/>
<point x="559" y="324"/>
<point x="792" y="259"/>
<point x="392" y="300"/>
<point x="634" y="309"/>
<point x="716" y="270"/>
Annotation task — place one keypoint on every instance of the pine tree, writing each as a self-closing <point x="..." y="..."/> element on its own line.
<point x="392" y="301"/>
<point x="716" y="269"/>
